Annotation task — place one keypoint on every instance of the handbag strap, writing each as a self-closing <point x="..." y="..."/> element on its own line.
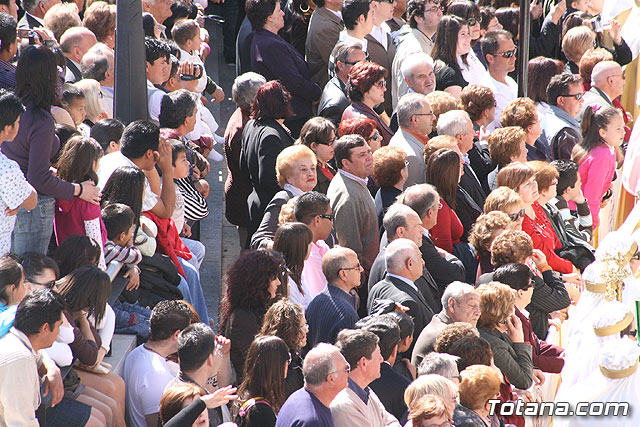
<point x="246" y="406"/>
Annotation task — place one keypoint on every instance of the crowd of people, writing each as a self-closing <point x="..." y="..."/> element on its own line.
<point x="415" y="236"/>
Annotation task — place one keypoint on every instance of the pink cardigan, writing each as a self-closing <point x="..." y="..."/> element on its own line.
<point x="596" y="172"/>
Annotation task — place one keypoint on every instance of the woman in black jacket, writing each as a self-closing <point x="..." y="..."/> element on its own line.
<point x="262" y="392"/>
<point x="263" y="138"/>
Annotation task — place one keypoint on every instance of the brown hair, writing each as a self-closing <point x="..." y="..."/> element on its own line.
<point x="511" y="246"/>
<point x="541" y="70"/>
<point x="437" y="143"/>
<point x="545" y="174"/>
<point x="500" y="199"/>
<point x="589" y="60"/>
<point x="283" y="320"/>
<point x="485" y="230"/>
<point x="443" y="172"/>
<point x="441" y="102"/>
<point x="514" y="175"/>
<point x="388" y="163"/>
<point x="475" y="99"/>
<point x="78" y="158"/>
<point x="505" y="143"/>
<point x="292" y="239"/>
<point x="496" y="304"/>
<point x="452" y="333"/>
<point x="479" y="384"/>
<point x="362" y="77"/>
<point x="185" y="30"/>
<point x="577" y="41"/>
<point x="519" y="112"/>
<point x="174" y="399"/>
<point x="427" y="407"/>
<point x="100" y="18"/>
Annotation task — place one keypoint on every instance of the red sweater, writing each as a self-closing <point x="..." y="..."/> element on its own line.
<point x="545" y="239"/>
<point x="546" y="357"/>
<point x="448" y="230"/>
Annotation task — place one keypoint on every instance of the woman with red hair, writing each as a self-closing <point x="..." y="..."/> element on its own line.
<point x="364" y="127"/>
<point x="365" y="88"/>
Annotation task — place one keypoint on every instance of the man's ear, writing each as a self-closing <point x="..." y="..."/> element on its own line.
<point x="113" y="145"/>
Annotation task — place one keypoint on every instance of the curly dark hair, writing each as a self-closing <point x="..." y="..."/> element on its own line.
<point x="248" y="281"/>
<point x="452" y="333"/>
<point x="283" y="320"/>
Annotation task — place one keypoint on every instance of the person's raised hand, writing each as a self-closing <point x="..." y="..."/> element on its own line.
<point x="557" y="10"/>
<point x="165" y="156"/>
<point x="614" y="31"/>
<point x="222" y="396"/>
<point x="538" y="257"/>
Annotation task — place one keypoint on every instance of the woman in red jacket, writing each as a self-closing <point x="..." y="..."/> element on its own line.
<point x="521" y="178"/>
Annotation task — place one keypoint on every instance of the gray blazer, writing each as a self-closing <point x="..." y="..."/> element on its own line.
<point x="513" y="359"/>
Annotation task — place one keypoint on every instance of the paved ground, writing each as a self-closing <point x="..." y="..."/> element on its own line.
<point x="219" y="237"/>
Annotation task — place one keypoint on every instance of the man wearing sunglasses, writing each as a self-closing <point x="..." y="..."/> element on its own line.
<point x="500" y="53"/>
<point x="560" y="128"/>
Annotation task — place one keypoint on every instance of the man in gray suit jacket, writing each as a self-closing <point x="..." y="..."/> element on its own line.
<point x="404" y="266"/>
<point x="415" y="118"/>
<point x="607" y="83"/>
<point x="324" y="30"/>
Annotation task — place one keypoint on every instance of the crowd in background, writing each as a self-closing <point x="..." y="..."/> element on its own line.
<point x="414" y="235"/>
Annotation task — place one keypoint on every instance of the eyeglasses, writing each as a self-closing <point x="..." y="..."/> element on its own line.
<point x="507" y="54"/>
<point x="577" y="96"/>
<point x="531" y="184"/>
<point x="518" y="215"/>
<point x="382" y="84"/>
<point x="434" y="9"/>
<point x="554" y="182"/>
<point x="357" y="267"/>
<point x="623" y="75"/>
<point x="443" y="424"/>
<point x="329" y="143"/>
<point x="438" y="206"/>
<point x="48" y="285"/>
<point x="472" y="21"/>
<point x="346" y="369"/>
<point x="430" y="113"/>
<point x="457" y="377"/>
<point x="351" y="63"/>
<point x="503" y="322"/>
<point x="326" y="216"/>
<point x="375" y="136"/>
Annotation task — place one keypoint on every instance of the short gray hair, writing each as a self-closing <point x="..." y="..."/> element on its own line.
<point x="333" y="261"/>
<point x="456" y="290"/>
<point x="244" y="89"/>
<point x="29" y="5"/>
<point x="395" y="218"/>
<point x="453" y="123"/>
<point x="415" y="60"/>
<point x="318" y="364"/>
<point x="442" y="364"/>
<point x="342" y="50"/>
<point x="397" y="253"/>
<point x="420" y="198"/>
<point x="410" y="104"/>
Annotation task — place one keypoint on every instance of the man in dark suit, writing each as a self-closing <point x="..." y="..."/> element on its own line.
<point x="391" y="385"/>
<point x="334" y="95"/>
<point x="34" y="12"/>
<point x="404" y="267"/>
<point x="443" y="266"/>
<point x="402" y="222"/>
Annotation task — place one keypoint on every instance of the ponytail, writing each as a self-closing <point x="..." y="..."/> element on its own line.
<point x="594" y="118"/>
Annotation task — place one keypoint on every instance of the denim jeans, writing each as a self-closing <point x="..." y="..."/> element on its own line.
<point x="197" y="250"/>
<point x="132" y="319"/>
<point x="195" y="289"/>
<point x="33" y="229"/>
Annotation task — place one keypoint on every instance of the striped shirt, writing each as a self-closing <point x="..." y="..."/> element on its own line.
<point x="331" y="311"/>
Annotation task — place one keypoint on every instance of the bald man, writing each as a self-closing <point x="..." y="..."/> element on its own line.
<point x="607" y="83"/>
<point x="334" y="308"/>
<point x="75" y="43"/>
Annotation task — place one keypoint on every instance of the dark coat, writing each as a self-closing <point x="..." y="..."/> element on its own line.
<point x="396" y="290"/>
<point x="383" y="57"/>
<point x="472" y="186"/>
<point x="262" y="141"/>
<point x="358" y="109"/>
<point x="443" y="270"/>
<point x="28" y="21"/>
<point x="481" y="163"/>
<point x="427" y="338"/>
<point x="468" y="210"/>
<point x="77" y="74"/>
<point x="276" y="59"/>
<point x="333" y="101"/>
<point x="269" y="224"/>
<point x="390" y="389"/>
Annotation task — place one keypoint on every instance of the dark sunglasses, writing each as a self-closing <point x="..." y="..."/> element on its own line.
<point x="577" y="96"/>
<point x="326" y="216"/>
<point x="518" y="215"/>
<point x="507" y="54"/>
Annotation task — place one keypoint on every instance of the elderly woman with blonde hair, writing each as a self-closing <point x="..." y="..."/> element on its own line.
<point x="296" y="175"/>
<point x="432" y="384"/>
<point x="479" y="385"/>
<point x="92" y="95"/>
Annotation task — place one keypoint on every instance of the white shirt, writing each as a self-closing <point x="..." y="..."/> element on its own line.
<point x="190" y="57"/>
<point x="295" y="296"/>
<point x="404" y="279"/>
<point x="503" y="94"/>
<point x="155" y="101"/>
<point x="106" y="102"/>
<point x="14" y="190"/>
<point x="344" y="37"/>
<point x="146" y="374"/>
<point x="293" y="190"/>
<point x="474" y="71"/>
<point x="380" y="34"/>
<point x="346" y="174"/>
<point x="113" y="161"/>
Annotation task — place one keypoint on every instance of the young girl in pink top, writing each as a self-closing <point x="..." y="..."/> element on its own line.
<point x="603" y="132"/>
<point x="78" y="163"/>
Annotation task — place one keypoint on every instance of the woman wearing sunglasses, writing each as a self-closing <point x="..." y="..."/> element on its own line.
<point x="366" y="88"/>
<point x="472" y="68"/>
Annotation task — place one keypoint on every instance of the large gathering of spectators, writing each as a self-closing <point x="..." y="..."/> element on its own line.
<point x="415" y="236"/>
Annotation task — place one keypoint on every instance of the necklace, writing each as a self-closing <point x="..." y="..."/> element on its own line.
<point x="152" y="350"/>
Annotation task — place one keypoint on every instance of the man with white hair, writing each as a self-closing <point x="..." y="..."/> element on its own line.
<point x="415" y="118"/>
<point x="443" y="364"/>
<point x="402" y="222"/>
<point x="404" y="266"/>
<point x="160" y="9"/>
<point x="75" y="43"/>
<point x="98" y="64"/>
<point x="460" y="303"/>
<point x="34" y="12"/>
<point x="417" y="71"/>
<point x="458" y="124"/>
<point x="326" y="373"/>
<point x="607" y="83"/>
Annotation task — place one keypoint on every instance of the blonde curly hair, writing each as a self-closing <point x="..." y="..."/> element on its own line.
<point x="497" y="302"/>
